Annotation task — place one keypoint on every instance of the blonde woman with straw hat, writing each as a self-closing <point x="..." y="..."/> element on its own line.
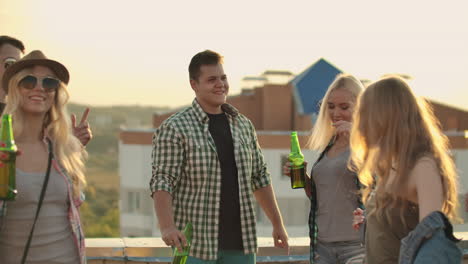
<point x="50" y="170"/>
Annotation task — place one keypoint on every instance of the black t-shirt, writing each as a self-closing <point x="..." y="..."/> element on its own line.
<point x="230" y="233"/>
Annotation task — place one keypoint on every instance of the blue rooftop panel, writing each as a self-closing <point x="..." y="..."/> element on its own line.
<point x="311" y="85"/>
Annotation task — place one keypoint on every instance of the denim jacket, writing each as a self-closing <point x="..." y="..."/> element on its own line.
<point x="432" y="241"/>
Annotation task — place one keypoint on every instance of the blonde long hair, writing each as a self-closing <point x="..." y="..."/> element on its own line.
<point x="67" y="148"/>
<point x="323" y="131"/>
<point x="392" y="130"/>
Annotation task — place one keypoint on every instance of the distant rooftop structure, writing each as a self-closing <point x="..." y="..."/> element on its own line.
<point x="277" y="76"/>
<point x="267" y="77"/>
<point x="254" y="78"/>
<point x="276" y="72"/>
<point x="250" y="82"/>
<point x="310" y="86"/>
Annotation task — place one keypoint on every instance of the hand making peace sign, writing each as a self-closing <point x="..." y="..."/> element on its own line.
<point x="82" y="131"/>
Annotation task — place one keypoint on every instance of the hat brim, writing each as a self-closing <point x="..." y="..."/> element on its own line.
<point x="60" y="71"/>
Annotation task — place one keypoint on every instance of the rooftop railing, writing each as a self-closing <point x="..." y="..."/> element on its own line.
<point x="153" y="250"/>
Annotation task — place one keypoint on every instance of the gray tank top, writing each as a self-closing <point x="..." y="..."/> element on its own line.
<point x="52" y="241"/>
<point x="336" y="199"/>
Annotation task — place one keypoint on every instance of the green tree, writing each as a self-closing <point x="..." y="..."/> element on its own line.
<point x="100" y="212"/>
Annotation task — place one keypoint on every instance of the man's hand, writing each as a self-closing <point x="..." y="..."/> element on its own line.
<point x="280" y="238"/>
<point x="170" y="234"/>
<point x="173" y="237"/>
<point x="82" y="131"/>
<point x="266" y="199"/>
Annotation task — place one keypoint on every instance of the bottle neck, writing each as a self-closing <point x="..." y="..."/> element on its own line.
<point x="6" y="134"/>
<point x="295" y="147"/>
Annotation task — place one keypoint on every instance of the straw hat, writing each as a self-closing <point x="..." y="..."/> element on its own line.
<point x="34" y="58"/>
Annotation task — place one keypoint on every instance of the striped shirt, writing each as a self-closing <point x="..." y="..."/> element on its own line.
<point x="186" y="165"/>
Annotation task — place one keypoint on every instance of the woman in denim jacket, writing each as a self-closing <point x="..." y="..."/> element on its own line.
<point x="395" y="136"/>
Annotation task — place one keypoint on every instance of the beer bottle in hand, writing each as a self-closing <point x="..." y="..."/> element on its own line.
<point x="8" y="167"/>
<point x="181" y="257"/>
<point x="296" y="158"/>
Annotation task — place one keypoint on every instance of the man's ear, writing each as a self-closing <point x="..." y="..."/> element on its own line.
<point x="193" y="83"/>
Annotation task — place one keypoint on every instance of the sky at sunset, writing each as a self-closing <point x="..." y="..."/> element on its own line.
<point x="137" y="52"/>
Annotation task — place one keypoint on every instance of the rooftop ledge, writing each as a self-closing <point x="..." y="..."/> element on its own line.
<point x="151" y="250"/>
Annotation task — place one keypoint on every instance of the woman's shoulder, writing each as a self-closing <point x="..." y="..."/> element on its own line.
<point x="426" y="163"/>
<point x="425" y="171"/>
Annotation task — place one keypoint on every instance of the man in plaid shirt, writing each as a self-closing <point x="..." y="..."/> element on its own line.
<point x="206" y="165"/>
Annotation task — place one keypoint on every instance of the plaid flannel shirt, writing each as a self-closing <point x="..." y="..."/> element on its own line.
<point x="186" y="165"/>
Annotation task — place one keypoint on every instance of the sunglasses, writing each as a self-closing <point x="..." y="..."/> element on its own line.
<point x="8" y="62"/>
<point x="48" y="83"/>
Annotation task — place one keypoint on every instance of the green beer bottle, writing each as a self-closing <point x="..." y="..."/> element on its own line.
<point x="297" y="163"/>
<point x="8" y="170"/>
<point x="181" y="257"/>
